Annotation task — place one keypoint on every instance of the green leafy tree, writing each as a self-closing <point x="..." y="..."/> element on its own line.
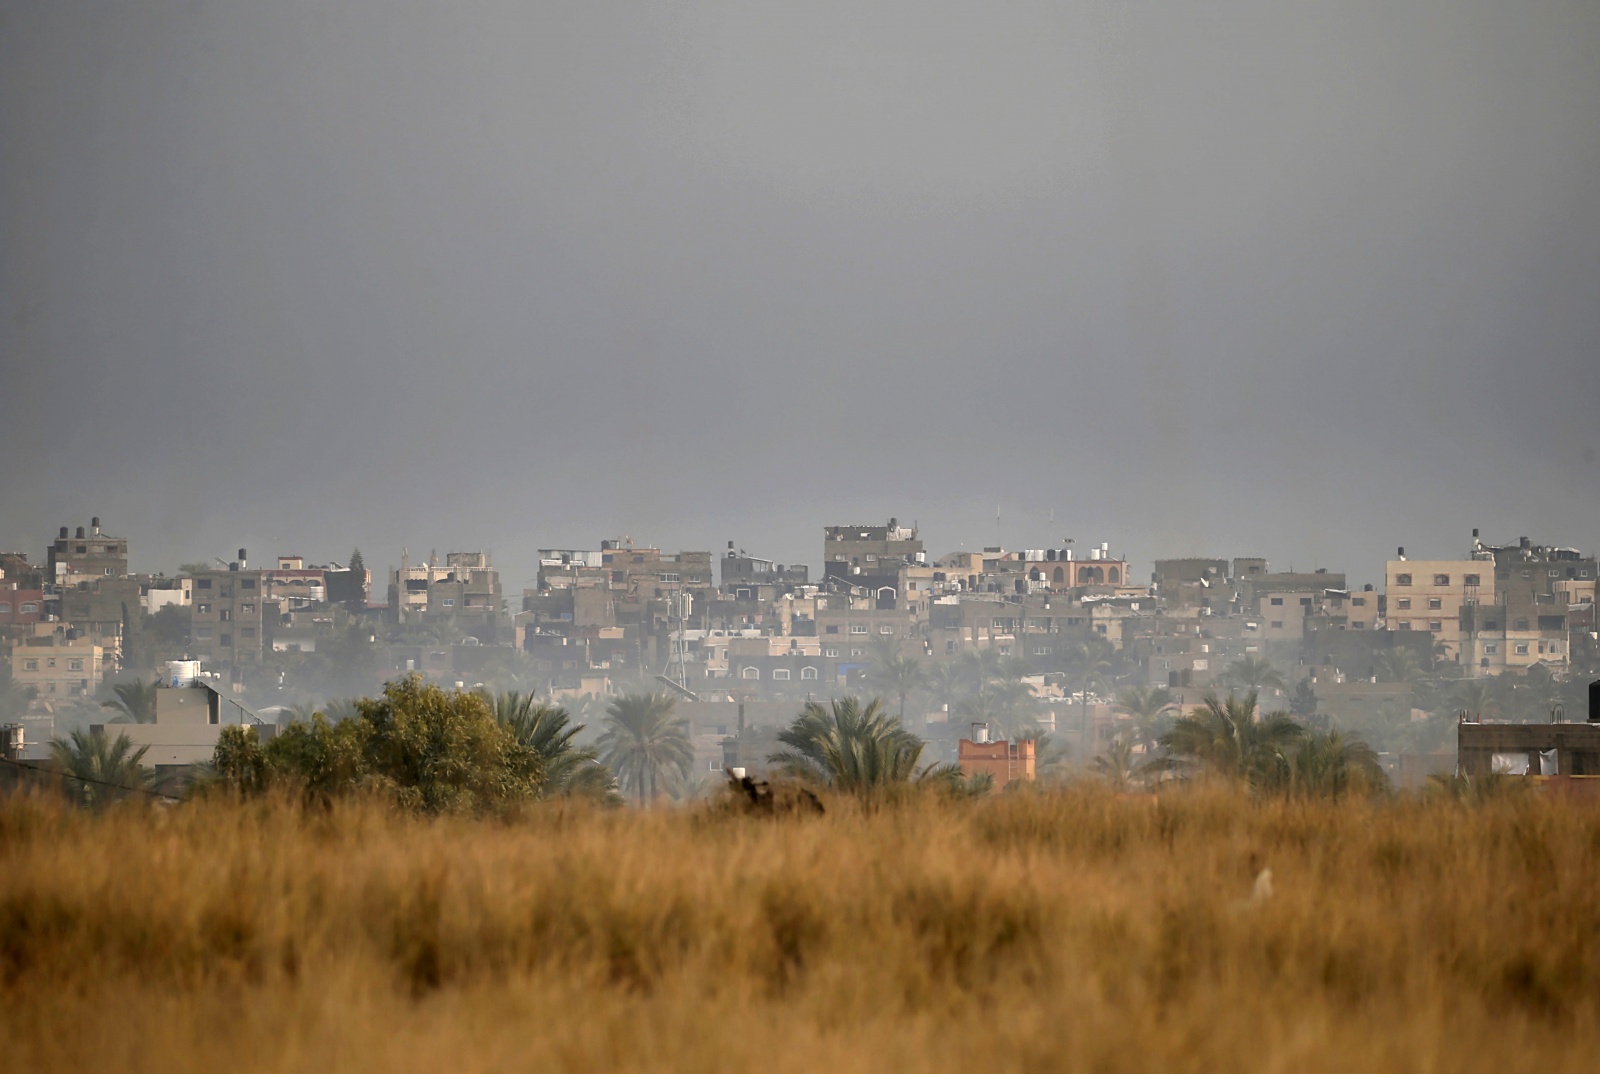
<point x="238" y="760"/>
<point x="1225" y="739"/>
<point x="134" y="702"/>
<point x="101" y="769"/>
<point x="423" y="748"/>
<point x="643" y="740"/>
<point x="1253" y="674"/>
<point x="444" y="752"/>
<point x="850" y="746"/>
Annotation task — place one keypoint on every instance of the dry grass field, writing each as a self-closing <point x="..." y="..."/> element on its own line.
<point x="1062" y="930"/>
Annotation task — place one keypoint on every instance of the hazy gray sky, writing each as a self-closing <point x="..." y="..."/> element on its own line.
<point x="1307" y="280"/>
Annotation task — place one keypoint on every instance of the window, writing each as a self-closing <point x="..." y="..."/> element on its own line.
<point x="1041" y="650"/>
<point x="808" y="673"/>
<point x="50" y="662"/>
<point x="1555" y="574"/>
<point x="30" y="665"/>
<point x="885" y="629"/>
<point x="74" y="665"/>
<point x="1404" y="624"/>
<point x="1277" y="624"/>
<point x="832" y="629"/>
<point x="202" y="583"/>
<point x="858" y="628"/>
<point x="203" y="609"/>
<point x="780" y="674"/>
<point x="247" y="609"/>
<point x="858" y="652"/>
<point x="1403" y="602"/>
<point x="1305" y="602"/>
<point x="1522" y="648"/>
<point x="247" y="583"/>
<point x="1402" y="579"/>
<point x="247" y="632"/>
<point x="1435" y="625"/>
<point x="750" y="673"/>
<point x="1441" y="579"/>
<point x="1491" y="624"/>
<point x="1434" y="604"/>
<point x="1491" y="649"/>
<point x="225" y="640"/>
<point x="1472" y="579"/>
<point x="1520" y="624"/>
<point x="28" y="607"/>
<point x="831" y="654"/>
<point x="449" y="602"/>
<point x="1358" y="625"/>
<point x="202" y="633"/>
<point x="5" y="609"/>
<point x="1276" y="601"/>
<point x="1359" y="602"/>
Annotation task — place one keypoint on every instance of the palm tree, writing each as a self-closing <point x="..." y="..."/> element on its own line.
<point x="136" y="701"/>
<point x="945" y="681"/>
<point x="896" y="674"/>
<point x="643" y="739"/>
<point x="1118" y="765"/>
<point x="301" y="713"/>
<point x="1151" y="708"/>
<point x="1088" y="668"/>
<point x="101" y="769"/>
<point x="1397" y="664"/>
<point x="1252" y="674"/>
<point x="548" y="731"/>
<point x="1227" y="740"/>
<point x="849" y="746"/>
<point x="1474" y="697"/>
<point x="1331" y="765"/>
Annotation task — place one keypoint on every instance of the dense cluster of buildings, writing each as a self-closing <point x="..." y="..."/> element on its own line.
<point x="731" y="628"/>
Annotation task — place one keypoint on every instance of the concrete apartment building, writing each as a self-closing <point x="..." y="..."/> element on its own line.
<point x="190" y="717"/>
<point x="1429" y="594"/>
<point x="866" y="554"/>
<point x="57" y="662"/>
<point x="228" y="618"/>
<point x="465" y="589"/>
<point x="90" y="553"/>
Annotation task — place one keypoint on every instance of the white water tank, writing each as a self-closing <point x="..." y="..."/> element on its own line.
<point x="182" y="672"/>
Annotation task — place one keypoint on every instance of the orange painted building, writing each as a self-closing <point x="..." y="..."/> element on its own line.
<point x="1005" y="761"/>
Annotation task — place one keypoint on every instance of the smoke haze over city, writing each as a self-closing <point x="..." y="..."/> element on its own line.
<point x="1305" y="281"/>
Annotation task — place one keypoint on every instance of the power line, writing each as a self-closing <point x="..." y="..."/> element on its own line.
<point x="89" y="779"/>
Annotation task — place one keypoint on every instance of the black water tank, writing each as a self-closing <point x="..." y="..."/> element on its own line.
<point x="1594" y="701"/>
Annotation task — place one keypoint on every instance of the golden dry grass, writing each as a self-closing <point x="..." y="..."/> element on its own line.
<point x="1069" y="930"/>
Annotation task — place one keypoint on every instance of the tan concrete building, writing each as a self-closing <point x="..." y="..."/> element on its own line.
<point x="227" y="617"/>
<point x="189" y="720"/>
<point x="89" y="553"/>
<point x="1428" y="594"/>
<point x="58" y="663"/>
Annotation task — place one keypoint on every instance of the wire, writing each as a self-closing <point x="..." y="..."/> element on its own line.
<point x="89" y="779"/>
